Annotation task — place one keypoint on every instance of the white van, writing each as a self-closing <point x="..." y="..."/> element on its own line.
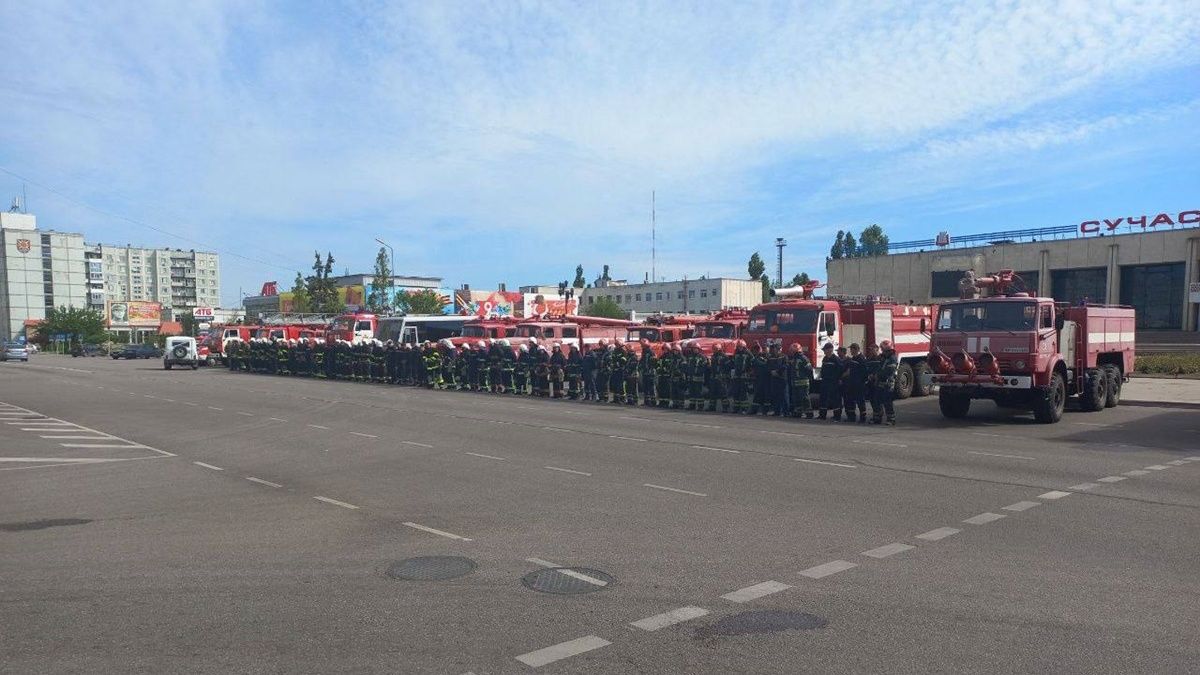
<point x="181" y="351"/>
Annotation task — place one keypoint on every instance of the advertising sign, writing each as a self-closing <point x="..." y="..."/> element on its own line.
<point x="1144" y="222"/>
<point x="488" y="304"/>
<point x="202" y="313"/>
<point x="133" y="313"/>
<point x="542" y="306"/>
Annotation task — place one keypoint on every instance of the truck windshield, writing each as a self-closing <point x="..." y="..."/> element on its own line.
<point x="971" y="316"/>
<point x="529" y="331"/>
<point x="635" y="334"/>
<point x="723" y="331"/>
<point x="783" y="321"/>
<point x="473" y="331"/>
<point x="343" y="324"/>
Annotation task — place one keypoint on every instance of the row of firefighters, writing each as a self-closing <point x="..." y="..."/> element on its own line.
<point x="736" y="378"/>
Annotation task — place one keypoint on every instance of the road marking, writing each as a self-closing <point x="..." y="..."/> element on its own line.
<point x="1054" y="494"/>
<point x="359" y="433"/>
<point x="245" y="414"/>
<point x="782" y="433"/>
<point x="709" y="447"/>
<point x="263" y="482"/>
<point x="629" y="438"/>
<point x="1177" y="462"/>
<point x="1136" y="472"/>
<point x="54" y="428"/>
<point x="1111" y="479"/>
<point x="671" y="489"/>
<point x="191" y="404"/>
<point x="276" y="419"/>
<point x="817" y="461"/>
<point x="318" y="426"/>
<point x="476" y="454"/>
<point x="100" y="445"/>
<point x="566" y="572"/>
<point x="938" y="534"/>
<point x="213" y="407"/>
<point x="37" y="421"/>
<point x="562" y="650"/>
<point x="558" y="468"/>
<point x="888" y="550"/>
<point x="755" y="592"/>
<point x="1157" y="467"/>
<point x="448" y="535"/>
<point x="148" y="396"/>
<point x="1095" y="424"/>
<point x="419" y="445"/>
<point x="169" y="400"/>
<point x="1022" y="506"/>
<point x="1083" y="486"/>
<point x="992" y="454"/>
<point x="979" y="433"/>
<point x="565" y="431"/>
<point x="1194" y="459"/>
<point x="894" y="445"/>
<point x="208" y="466"/>
<point x="653" y="623"/>
<point x="78" y="438"/>
<point x="335" y="502"/>
<point x="827" y="569"/>
<point x="68" y="460"/>
<point x="983" y="518"/>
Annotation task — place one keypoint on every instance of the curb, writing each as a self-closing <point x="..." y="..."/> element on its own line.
<point x="1181" y="405"/>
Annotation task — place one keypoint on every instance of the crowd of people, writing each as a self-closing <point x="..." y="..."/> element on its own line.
<point x="735" y="378"/>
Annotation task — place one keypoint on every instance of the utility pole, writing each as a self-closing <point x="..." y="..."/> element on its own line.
<point x="653" y="239"/>
<point x="780" y="242"/>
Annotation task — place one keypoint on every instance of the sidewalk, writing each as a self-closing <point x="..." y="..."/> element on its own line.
<point x="1161" y="392"/>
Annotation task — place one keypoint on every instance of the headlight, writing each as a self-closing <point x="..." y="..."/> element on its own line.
<point x="1019" y="365"/>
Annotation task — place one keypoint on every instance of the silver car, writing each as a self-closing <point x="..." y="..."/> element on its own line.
<point x="14" y="352"/>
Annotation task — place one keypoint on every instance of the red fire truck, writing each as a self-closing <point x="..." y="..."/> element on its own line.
<point x="577" y="330"/>
<point x="661" y="330"/>
<point x="1027" y="352"/>
<point x="484" y="329"/>
<point x="410" y="328"/>
<point x="726" y="326"/>
<point x="799" y="318"/>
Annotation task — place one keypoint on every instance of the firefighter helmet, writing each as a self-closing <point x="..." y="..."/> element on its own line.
<point x="741" y="344"/>
<point x="603" y="342"/>
<point x="523" y="349"/>
<point x="481" y="345"/>
<point x="886" y="345"/>
<point x="828" y="346"/>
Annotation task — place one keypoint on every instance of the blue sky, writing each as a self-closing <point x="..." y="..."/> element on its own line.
<point x="507" y="141"/>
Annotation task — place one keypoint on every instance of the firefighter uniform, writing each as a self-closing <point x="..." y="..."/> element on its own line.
<point x="574" y="372"/>
<point x="885" y="384"/>
<point x="762" y="381"/>
<point x="616" y="374"/>
<point x="697" y="374"/>
<point x="587" y="369"/>
<point x="679" y="381"/>
<point x="854" y="386"/>
<point x="648" y="371"/>
<point x="831" y="377"/>
<point x="718" y="380"/>
<point x="632" y="378"/>
<point x="777" y="367"/>
<point x="558" y="366"/>
<point x="800" y="371"/>
<point x="522" y="370"/>
<point x="739" y="381"/>
<point x="433" y="367"/>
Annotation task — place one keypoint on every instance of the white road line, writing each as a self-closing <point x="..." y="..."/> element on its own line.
<point x="817" y="461"/>
<point x="1194" y="459"/>
<point x="1083" y="487"/>
<point x="1111" y="479"/>
<point x="263" y="482"/>
<point x="208" y="466"/>
<point x="318" y="426"/>
<point x="671" y="489"/>
<point x="148" y="396"/>
<point x="781" y="433"/>
<point x="755" y="592"/>
<point x="213" y="407"/>
<point x="476" y="454"/>
<point x="993" y="454"/>
<point x="276" y="419"/>
<point x="653" y="623"/>
<point x="78" y="438"/>
<point x="440" y="533"/>
<point x="68" y="460"/>
<point x="709" y="447"/>
<point x="1157" y="467"/>
<point x="939" y="534"/>
<point x="1177" y="462"/>
<point x="101" y="445"/>
<point x="335" y="502"/>
<point x="1136" y="472"/>
<point x="71" y="427"/>
<point x="983" y="518"/>
<point x="894" y="445"/>
<point x="1022" y="506"/>
<point x="629" y="438"/>
<point x="1054" y="494"/>
<point x="1095" y="424"/>
<point x="560" y="429"/>
<point x="562" y="650"/>
<point x="559" y="468"/>
<point x="570" y="573"/>
<point x="169" y="400"/>
<point x="245" y="414"/>
<point x="419" y="445"/>
<point x="191" y="404"/>
<point x="359" y="433"/>
<point x="827" y="569"/>
<point x="888" y="550"/>
<point x="979" y="433"/>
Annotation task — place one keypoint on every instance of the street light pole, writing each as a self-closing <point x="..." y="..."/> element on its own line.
<point x="392" y="276"/>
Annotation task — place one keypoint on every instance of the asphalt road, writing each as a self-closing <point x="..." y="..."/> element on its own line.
<point x="155" y="522"/>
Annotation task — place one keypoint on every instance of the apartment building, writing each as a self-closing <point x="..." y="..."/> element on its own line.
<point x="180" y="280"/>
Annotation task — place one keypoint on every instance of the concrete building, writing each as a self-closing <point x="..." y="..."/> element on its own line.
<point x="180" y="280"/>
<point x="39" y="270"/>
<point x="676" y="297"/>
<point x="1152" y="270"/>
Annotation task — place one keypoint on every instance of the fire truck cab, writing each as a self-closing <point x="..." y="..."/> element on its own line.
<point x="726" y="326"/>
<point x="485" y="329"/>
<point x="660" y="332"/>
<point x="578" y="330"/>
<point x="406" y="328"/>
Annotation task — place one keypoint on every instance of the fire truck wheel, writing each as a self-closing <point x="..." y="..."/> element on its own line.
<point x="1112" y="376"/>
<point x="919" y="371"/>
<point x="953" y="404"/>
<point x="904" y="381"/>
<point x="1095" y="390"/>
<point x="1049" y="409"/>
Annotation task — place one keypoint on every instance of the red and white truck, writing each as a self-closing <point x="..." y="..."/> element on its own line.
<point x="1028" y="352"/>
<point x="356" y="327"/>
<point x="799" y="318"/>
<point x="726" y="326"/>
<point x="662" y="330"/>
<point x="475" y="330"/>
<point x="578" y="330"/>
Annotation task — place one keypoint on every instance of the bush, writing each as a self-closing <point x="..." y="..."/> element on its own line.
<point x="1168" y="364"/>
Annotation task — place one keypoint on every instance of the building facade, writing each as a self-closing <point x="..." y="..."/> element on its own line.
<point x="1152" y="270"/>
<point x="676" y="297"/>
<point x="39" y="270"/>
<point x="179" y="280"/>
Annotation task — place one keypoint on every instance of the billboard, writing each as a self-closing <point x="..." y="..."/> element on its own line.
<point x="488" y="304"/>
<point x="542" y="306"/>
<point x="134" y="313"/>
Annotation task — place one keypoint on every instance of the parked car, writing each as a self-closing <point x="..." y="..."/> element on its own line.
<point x="181" y="351"/>
<point x="142" y="351"/>
<point x="14" y="352"/>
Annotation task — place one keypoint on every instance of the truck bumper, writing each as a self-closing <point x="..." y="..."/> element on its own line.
<point x="1019" y="382"/>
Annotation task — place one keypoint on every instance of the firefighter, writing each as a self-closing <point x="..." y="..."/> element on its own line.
<point x="461" y="354"/>
<point x="718" y="379"/>
<point x="631" y="376"/>
<point x="616" y="377"/>
<point x="574" y="372"/>
<point x="800" y="372"/>
<point x="433" y="367"/>
<point x="231" y="356"/>
<point x="522" y="369"/>
<point x="762" y="381"/>
<point x="449" y="364"/>
<point x="872" y="367"/>
<point x="679" y="378"/>
<point x="283" y="357"/>
<point x="831" y="376"/>
<point x="603" y="371"/>
<point x="854" y="385"/>
<point x="662" y="377"/>
<point x="541" y="372"/>
<point x="648" y="371"/>
<point x="508" y="364"/>
<point x="885" y="384"/>
<point x="777" y="367"/>
<point x="740" y="376"/>
<point x="558" y="366"/>
<point x="318" y="358"/>
<point x="495" y="367"/>
<point x="587" y="369"/>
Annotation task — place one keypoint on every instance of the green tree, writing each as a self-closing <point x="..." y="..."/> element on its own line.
<point x="606" y="308"/>
<point x="800" y="279"/>
<point x="300" y="299"/>
<point x="873" y="241"/>
<point x="85" y="325"/>
<point x="322" y="291"/>
<point x="850" y="247"/>
<point x="377" y="299"/>
<point x="426" y="301"/>
<point x="579" y="280"/>
<point x="766" y="288"/>
<point x="756" y="267"/>
<point x="838" y="249"/>
<point x="188" y="324"/>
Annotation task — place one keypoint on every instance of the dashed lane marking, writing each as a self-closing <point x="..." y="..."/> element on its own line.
<point x="101" y="445"/>
<point x="476" y="454"/>
<point x="335" y="502"/>
<point x="939" y="534"/>
<point x="1177" y="462"/>
<point x="1136" y="472"/>
<point x="671" y="489"/>
<point x="709" y="447"/>
<point x="78" y="438"/>
<point x="276" y="419"/>
<point x="1022" y="506"/>
<point x="559" y="468"/>
<point x="70" y="460"/>
<point x="319" y="426"/>
<point x="567" y="572"/>
<point x="560" y="429"/>
<point x="993" y="454"/>
<point x="419" y="445"/>
<point x="827" y="569"/>
<point x="359" y="433"/>
<point x="653" y="623"/>
<point x="1054" y="494"/>
<point x="983" y="518"/>
<point x="1157" y="467"/>
<point x="440" y="533"/>
<point x="629" y="438"/>
<point x="756" y="591"/>
<point x="191" y="404"/>
<point x="213" y="407"/>
<point x="1111" y="479"/>
<point x="260" y="481"/>
<point x="818" y="461"/>
<point x="893" y="445"/>
<point x="1083" y="487"/>
<point x="562" y="650"/>
<point x="888" y="550"/>
<point x="208" y="466"/>
<point x="245" y="414"/>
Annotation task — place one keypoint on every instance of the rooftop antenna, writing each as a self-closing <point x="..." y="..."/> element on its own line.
<point x="653" y="239"/>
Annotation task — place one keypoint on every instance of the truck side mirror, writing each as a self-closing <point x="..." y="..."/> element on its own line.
<point x="924" y="325"/>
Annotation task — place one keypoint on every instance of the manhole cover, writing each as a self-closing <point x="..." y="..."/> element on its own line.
<point x="431" y="568"/>
<point x="41" y="524"/>
<point x="766" y="621"/>
<point x="567" y="580"/>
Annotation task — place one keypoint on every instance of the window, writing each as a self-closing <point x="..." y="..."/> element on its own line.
<point x="1000" y="315"/>
<point x="591" y="300"/>
<point x="1079" y="285"/>
<point x="692" y="293"/>
<point x="569" y="332"/>
<point x="638" y="297"/>
<point x="628" y="298"/>
<point x="679" y="295"/>
<point x="658" y="296"/>
<point x="704" y="292"/>
<point x="1031" y="279"/>
<point x="1157" y="293"/>
<point x="945" y="284"/>
<point x="783" y="321"/>
<point x="1047" y="317"/>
